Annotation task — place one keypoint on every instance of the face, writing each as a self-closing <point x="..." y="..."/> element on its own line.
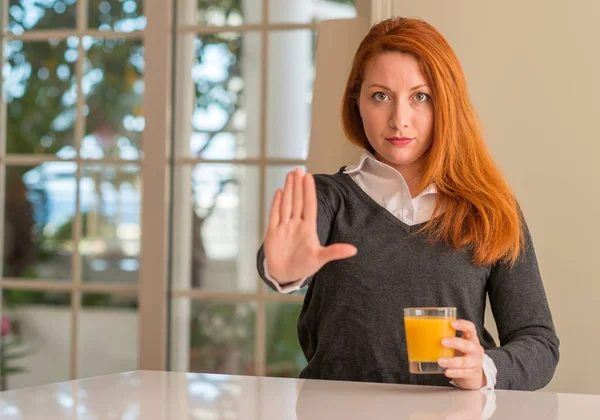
<point x="396" y="110"/>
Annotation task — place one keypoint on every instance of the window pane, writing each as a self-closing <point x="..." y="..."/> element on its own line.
<point x="41" y="95"/>
<point x="225" y="109"/>
<point x="26" y="15"/>
<point x="291" y="75"/>
<point x="213" y="337"/>
<point x="113" y="86"/>
<point x="39" y="216"/>
<point x="284" y="355"/>
<point x="36" y="338"/>
<point x="110" y="207"/>
<point x="223" y="12"/>
<point x="116" y="15"/>
<point x="305" y="11"/>
<point x="215" y="233"/>
<point x="108" y="334"/>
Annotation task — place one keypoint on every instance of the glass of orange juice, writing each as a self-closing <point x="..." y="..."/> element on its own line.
<point x="425" y="329"/>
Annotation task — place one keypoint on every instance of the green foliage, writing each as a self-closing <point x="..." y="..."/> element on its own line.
<point x="284" y="356"/>
<point x="41" y="94"/>
<point x="11" y="350"/>
<point x="218" y="329"/>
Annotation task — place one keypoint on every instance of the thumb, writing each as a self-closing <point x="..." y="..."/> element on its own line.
<point x="337" y="252"/>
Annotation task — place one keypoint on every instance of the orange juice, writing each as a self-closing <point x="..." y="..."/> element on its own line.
<point x="424" y="336"/>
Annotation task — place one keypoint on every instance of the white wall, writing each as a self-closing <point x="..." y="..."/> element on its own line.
<point x="532" y="68"/>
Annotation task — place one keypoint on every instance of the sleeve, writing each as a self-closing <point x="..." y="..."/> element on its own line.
<point x="324" y="221"/>
<point x="287" y="288"/>
<point x="528" y="352"/>
<point x="490" y="371"/>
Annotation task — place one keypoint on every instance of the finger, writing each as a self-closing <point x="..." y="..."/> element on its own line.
<point x="286" y="201"/>
<point x="460" y="373"/>
<point x="298" y="194"/>
<point x="461" y="344"/>
<point x="461" y="362"/>
<point x="468" y="328"/>
<point x="275" y="209"/>
<point x="336" y="252"/>
<point x="309" y="212"/>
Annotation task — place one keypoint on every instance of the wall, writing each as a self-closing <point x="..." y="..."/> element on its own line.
<point x="532" y="69"/>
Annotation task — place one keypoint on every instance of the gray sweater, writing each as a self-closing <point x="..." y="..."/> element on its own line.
<point x="351" y="324"/>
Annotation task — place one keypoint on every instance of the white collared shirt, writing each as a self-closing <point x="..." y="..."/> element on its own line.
<point x="386" y="186"/>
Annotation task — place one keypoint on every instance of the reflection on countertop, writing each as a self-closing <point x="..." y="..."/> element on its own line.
<point x="173" y="395"/>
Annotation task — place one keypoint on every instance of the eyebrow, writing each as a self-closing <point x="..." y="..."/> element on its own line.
<point x="387" y="88"/>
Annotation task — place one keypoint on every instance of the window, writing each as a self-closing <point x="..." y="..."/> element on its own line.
<point x="85" y="149"/>
<point x="71" y="120"/>
<point x="243" y="87"/>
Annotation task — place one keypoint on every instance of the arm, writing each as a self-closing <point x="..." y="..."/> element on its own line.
<point x="528" y="352"/>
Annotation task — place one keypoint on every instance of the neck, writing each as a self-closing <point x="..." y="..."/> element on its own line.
<point x="413" y="184"/>
<point x="412" y="175"/>
<point x="413" y="179"/>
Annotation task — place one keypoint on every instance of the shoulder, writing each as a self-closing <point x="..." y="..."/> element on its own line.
<point x="333" y="189"/>
<point x="331" y="186"/>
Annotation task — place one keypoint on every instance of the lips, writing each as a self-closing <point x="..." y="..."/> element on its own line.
<point x="399" y="141"/>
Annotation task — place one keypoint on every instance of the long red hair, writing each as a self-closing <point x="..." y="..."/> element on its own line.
<point x="480" y="211"/>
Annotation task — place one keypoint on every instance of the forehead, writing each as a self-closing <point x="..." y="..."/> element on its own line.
<point x="393" y="68"/>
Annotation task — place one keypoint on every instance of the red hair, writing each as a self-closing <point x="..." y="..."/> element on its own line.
<point x="480" y="211"/>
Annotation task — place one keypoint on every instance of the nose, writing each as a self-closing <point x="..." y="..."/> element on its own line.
<point x="400" y="117"/>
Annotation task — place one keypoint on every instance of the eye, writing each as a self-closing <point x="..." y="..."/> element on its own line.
<point x="422" y="97"/>
<point x="380" y="96"/>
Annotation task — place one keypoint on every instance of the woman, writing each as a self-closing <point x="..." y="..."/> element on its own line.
<point x="425" y="218"/>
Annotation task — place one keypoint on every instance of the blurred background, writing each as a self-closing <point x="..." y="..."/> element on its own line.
<point x="77" y="149"/>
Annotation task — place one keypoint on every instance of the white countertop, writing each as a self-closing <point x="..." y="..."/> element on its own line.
<point x="171" y="395"/>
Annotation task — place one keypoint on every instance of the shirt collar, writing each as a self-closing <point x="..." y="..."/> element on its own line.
<point x="357" y="167"/>
<point x="368" y="163"/>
